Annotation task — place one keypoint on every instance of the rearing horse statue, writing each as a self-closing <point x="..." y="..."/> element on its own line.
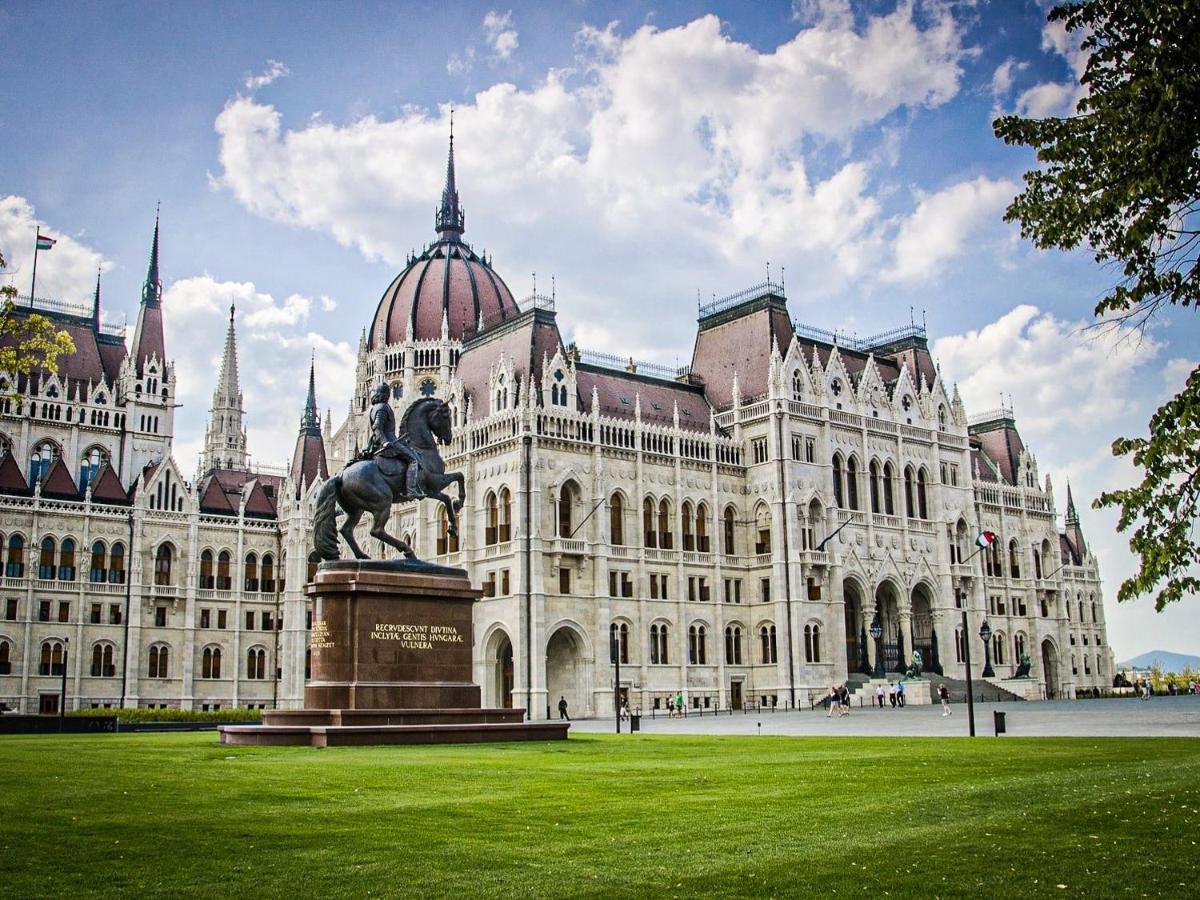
<point x="366" y="485"/>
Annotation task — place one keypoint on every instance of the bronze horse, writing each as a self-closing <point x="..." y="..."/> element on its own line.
<point x="361" y="486"/>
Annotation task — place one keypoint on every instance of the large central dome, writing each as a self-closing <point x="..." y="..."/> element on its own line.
<point x="447" y="281"/>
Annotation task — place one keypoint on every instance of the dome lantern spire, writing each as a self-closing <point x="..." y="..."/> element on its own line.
<point x="450" y="221"/>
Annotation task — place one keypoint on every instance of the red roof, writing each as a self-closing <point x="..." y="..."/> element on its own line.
<point x="12" y="481"/>
<point x="106" y="487"/>
<point x="308" y="461"/>
<point x="525" y="344"/>
<point x="58" y="481"/>
<point x="740" y="343"/>
<point x="221" y="492"/>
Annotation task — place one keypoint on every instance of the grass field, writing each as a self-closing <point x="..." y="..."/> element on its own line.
<point x="601" y="816"/>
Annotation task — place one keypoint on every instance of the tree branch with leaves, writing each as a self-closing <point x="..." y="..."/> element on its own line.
<point x="1121" y="177"/>
<point x="28" y="342"/>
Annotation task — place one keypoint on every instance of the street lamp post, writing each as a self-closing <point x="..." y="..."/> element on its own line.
<point x="985" y="635"/>
<point x="877" y="635"/>
<point x="614" y="649"/>
<point x="62" y="697"/>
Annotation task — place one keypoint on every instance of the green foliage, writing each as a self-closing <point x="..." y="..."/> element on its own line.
<point x="1167" y="502"/>
<point x="600" y="816"/>
<point x="28" y="342"/>
<point x="137" y="716"/>
<point x="1122" y="177"/>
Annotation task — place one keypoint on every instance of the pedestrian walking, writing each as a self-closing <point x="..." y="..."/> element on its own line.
<point x="900" y="693"/>
<point x="880" y="693"/>
<point x="670" y="707"/>
<point x="679" y="710"/>
<point x="562" y="709"/>
<point x="944" y="696"/>
<point x="845" y="697"/>
<point x="833" y="701"/>
<point x="624" y="709"/>
<point x="892" y="695"/>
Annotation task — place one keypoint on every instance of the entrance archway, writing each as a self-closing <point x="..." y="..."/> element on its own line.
<point x="923" y="636"/>
<point x="1050" y="669"/>
<point x="499" y="671"/>
<point x="887" y="607"/>
<point x="566" y="673"/>
<point x="856" y="656"/>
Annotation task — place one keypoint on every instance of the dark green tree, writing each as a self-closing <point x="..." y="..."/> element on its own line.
<point x="1121" y="176"/>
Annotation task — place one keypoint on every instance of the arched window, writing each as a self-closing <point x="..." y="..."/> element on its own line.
<point x="97" y="574"/>
<point x="14" y="566"/>
<point x="837" y="480"/>
<point x="41" y="459"/>
<point x="697" y="651"/>
<point x="206" y="570"/>
<point x="619" y="641"/>
<point x="446" y="542"/>
<point x="852" y="483"/>
<point x="283" y="571"/>
<point x="103" y="665"/>
<point x="658" y="645"/>
<point x="649" y="536"/>
<point x="766" y="636"/>
<point x="46" y="567"/>
<point x="163" y="559"/>
<point x="727" y="520"/>
<point x="702" y="528"/>
<point x="685" y="522"/>
<point x="1037" y="564"/>
<point x="998" y="648"/>
<point x="733" y="645"/>
<point x="922" y="508"/>
<point x="491" y="528"/>
<point x="250" y="577"/>
<point x="664" y="525"/>
<point x="224" y="563"/>
<point x="267" y="585"/>
<point x="875" y="493"/>
<point x="116" y="564"/>
<point x="889" y="478"/>
<point x="256" y="663"/>
<point x="616" y="521"/>
<point x="5" y="658"/>
<point x="89" y="464"/>
<point x="762" y="529"/>
<point x="942" y="417"/>
<point x="797" y="385"/>
<point x="910" y="509"/>
<point x="566" y="500"/>
<point x="812" y="643"/>
<point x="1014" y="562"/>
<point x="210" y="663"/>
<point x="52" y="658"/>
<point x="159" y="659"/>
<point x="505" y="526"/>
<point x="66" y="560"/>
<point x="815" y="514"/>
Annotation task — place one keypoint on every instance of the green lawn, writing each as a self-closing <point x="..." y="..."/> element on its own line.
<point x="601" y="816"/>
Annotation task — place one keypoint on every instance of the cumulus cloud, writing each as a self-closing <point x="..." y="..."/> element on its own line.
<point x="65" y="272"/>
<point x="1057" y="98"/>
<point x="682" y="133"/>
<point x="274" y="346"/>
<point x="500" y="34"/>
<point x="941" y="224"/>
<point x="273" y="72"/>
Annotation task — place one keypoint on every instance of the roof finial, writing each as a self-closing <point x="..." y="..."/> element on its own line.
<point x="450" y="222"/>
<point x="152" y="289"/>
<point x="96" y="304"/>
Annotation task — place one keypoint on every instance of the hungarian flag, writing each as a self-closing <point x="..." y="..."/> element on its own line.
<point x="986" y="538"/>
<point x="45" y="243"/>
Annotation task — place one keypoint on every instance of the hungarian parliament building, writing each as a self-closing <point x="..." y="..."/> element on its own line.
<point x="794" y="509"/>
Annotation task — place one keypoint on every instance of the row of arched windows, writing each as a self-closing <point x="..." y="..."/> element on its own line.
<point x="697" y="644"/>
<point x="256" y="576"/>
<point x="881" y="487"/>
<point x="58" y="561"/>
<point x="46" y="451"/>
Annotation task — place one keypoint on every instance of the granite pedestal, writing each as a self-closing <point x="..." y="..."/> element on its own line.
<point x="391" y="663"/>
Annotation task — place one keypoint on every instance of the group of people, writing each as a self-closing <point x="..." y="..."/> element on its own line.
<point x="838" y="699"/>
<point x="892" y="692"/>
<point x="675" y="706"/>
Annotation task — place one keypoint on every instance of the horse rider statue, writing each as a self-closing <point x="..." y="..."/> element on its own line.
<point x="393" y="457"/>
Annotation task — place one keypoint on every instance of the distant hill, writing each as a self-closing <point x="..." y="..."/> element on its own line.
<point x="1168" y="662"/>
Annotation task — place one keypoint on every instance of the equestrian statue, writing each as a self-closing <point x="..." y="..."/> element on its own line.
<point x="393" y="468"/>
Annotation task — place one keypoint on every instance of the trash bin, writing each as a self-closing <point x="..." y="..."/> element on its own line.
<point x="998" y="721"/>
<point x="635" y="723"/>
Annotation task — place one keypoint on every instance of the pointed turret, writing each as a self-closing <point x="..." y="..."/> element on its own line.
<point x="148" y="335"/>
<point x="225" y="441"/>
<point x="308" y="461"/>
<point x="450" y="222"/>
<point x="96" y="305"/>
<point x="1073" y="531"/>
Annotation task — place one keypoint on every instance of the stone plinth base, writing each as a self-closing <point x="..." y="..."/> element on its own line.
<point x="357" y="727"/>
<point x="391" y="663"/>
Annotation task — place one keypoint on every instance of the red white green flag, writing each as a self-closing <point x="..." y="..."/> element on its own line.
<point x="986" y="538"/>
<point x="45" y="243"/>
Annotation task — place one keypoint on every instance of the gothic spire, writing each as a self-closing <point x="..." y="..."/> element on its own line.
<point x="225" y="441"/>
<point x="308" y="460"/>
<point x="152" y="289"/>
<point x="96" y="305"/>
<point x="450" y="222"/>
<point x="229" y="389"/>
<point x="310" y="422"/>
<point x="1072" y="517"/>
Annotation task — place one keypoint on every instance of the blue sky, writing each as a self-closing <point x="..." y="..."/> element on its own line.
<point x="642" y="154"/>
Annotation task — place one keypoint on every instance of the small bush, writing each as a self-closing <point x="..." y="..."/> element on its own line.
<point x="137" y="716"/>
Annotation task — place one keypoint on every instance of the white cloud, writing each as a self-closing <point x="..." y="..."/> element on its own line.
<point x="1053" y="98"/>
<point x="500" y="34"/>
<point x="273" y="72"/>
<point x="941" y="224"/>
<point x="328" y="304"/>
<point x="461" y="63"/>
<point x="65" y="272"/>
<point x="274" y="345"/>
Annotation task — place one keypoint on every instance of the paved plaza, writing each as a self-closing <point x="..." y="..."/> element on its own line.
<point x="1126" y="717"/>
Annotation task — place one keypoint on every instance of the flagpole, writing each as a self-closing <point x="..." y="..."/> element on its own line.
<point x="37" y="239"/>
